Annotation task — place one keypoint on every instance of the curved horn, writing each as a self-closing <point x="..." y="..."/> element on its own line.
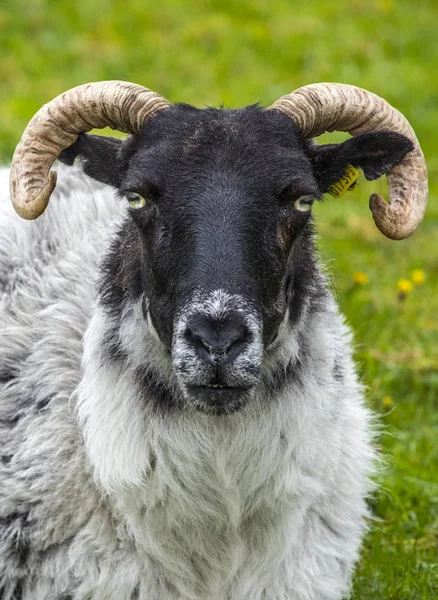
<point x="324" y="107"/>
<point x="118" y="104"/>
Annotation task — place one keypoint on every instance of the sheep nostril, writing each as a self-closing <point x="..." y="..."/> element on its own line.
<point x="237" y="345"/>
<point x="201" y="348"/>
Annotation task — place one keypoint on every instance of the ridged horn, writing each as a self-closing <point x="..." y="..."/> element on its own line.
<point x="324" y="107"/>
<point x="118" y="104"/>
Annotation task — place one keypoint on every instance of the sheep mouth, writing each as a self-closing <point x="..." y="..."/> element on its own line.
<point x="219" y="399"/>
<point x="221" y="386"/>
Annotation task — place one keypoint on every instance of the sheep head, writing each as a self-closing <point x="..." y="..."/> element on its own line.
<point x="217" y="247"/>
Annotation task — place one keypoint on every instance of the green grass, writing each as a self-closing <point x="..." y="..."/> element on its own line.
<point x="238" y="52"/>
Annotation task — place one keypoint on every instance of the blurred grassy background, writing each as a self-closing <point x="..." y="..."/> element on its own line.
<point x="238" y="52"/>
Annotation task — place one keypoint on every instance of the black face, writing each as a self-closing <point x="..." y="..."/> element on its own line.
<point x="219" y="240"/>
<point x="227" y="195"/>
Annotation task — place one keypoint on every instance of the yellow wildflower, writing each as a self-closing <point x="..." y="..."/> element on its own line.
<point x="360" y="278"/>
<point x="418" y="276"/>
<point x="387" y="401"/>
<point x="404" y="286"/>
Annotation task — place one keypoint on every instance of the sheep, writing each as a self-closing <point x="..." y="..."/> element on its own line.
<point x="180" y="415"/>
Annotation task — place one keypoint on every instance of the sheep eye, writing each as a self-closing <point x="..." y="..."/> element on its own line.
<point x="136" y="201"/>
<point x="303" y="204"/>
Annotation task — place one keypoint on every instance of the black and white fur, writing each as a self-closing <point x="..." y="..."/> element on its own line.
<point x="130" y="467"/>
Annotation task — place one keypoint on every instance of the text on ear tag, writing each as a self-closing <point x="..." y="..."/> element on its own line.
<point x="339" y="188"/>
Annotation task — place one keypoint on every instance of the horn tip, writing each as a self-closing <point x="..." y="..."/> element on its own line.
<point x="34" y="207"/>
<point x="388" y="222"/>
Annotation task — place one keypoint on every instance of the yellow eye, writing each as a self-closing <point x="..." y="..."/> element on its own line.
<point x="303" y="204"/>
<point x="135" y="200"/>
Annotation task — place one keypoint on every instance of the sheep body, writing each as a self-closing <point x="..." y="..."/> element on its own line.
<point x="102" y="497"/>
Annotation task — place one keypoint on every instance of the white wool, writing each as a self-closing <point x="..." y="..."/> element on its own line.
<point x="102" y="497"/>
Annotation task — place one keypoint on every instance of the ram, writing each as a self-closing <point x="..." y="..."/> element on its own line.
<point x="180" y="417"/>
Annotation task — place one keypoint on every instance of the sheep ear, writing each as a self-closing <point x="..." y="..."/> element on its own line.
<point x="375" y="153"/>
<point x="98" y="157"/>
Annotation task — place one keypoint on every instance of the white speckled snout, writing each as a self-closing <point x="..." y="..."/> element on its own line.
<point x="241" y="371"/>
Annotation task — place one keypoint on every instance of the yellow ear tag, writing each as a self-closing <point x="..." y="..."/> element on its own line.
<point x="339" y="188"/>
